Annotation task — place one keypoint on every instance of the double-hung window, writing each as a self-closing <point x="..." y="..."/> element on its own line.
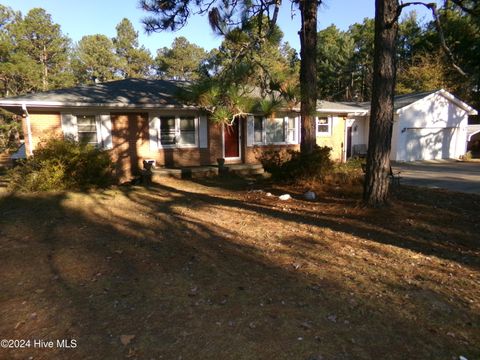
<point x="178" y="131"/>
<point x="87" y="129"/>
<point x="187" y="134"/>
<point x="324" y="126"/>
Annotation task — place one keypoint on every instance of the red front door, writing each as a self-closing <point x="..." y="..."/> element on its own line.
<point x="232" y="139"/>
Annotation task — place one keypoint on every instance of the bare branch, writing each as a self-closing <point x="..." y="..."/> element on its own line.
<point x="438" y="26"/>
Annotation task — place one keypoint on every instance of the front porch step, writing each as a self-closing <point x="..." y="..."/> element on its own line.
<point x="196" y="172"/>
<point x="245" y="169"/>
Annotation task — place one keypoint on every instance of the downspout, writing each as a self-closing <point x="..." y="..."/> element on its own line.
<point x="29" y="129"/>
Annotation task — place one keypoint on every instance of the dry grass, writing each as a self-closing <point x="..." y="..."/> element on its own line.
<point x="212" y="271"/>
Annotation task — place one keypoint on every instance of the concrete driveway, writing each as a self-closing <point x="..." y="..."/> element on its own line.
<point x="450" y="175"/>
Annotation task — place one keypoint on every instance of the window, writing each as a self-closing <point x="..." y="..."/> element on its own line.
<point x="178" y="131"/>
<point x="187" y="131"/>
<point x="266" y="131"/>
<point x="167" y="131"/>
<point x="258" y="129"/>
<point x="275" y="130"/>
<point x="291" y="130"/>
<point x="324" y="125"/>
<point x="87" y="129"/>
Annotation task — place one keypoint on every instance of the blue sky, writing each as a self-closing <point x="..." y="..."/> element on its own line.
<point x="86" y="17"/>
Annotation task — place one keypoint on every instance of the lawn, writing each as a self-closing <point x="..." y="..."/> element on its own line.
<point x="216" y="270"/>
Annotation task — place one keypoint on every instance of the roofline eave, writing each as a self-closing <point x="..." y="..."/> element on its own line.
<point x="42" y="104"/>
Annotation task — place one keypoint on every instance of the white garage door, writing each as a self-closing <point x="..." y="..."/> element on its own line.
<point x="430" y="143"/>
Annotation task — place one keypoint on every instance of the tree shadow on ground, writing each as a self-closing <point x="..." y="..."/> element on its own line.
<point x="202" y="273"/>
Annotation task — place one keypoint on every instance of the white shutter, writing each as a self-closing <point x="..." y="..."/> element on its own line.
<point x="203" y="132"/>
<point x="250" y="130"/>
<point x="297" y="130"/>
<point x="153" y="128"/>
<point x="69" y="126"/>
<point x="106" y="131"/>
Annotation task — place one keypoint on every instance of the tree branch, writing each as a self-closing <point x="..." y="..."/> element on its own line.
<point x="438" y="26"/>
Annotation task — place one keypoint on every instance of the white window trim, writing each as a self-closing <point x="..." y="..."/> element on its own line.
<point x="177" y="131"/>
<point x="329" y="123"/>
<point x="285" y="132"/>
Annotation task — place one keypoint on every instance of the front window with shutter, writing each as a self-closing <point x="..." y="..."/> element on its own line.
<point x="271" y="131"/>
<point x="177" y="131"/>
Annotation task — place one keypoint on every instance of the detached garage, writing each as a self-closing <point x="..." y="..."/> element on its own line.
<point x="429" y="126"/>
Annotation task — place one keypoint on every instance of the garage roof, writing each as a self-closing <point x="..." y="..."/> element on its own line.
<point x="402" y="101"/>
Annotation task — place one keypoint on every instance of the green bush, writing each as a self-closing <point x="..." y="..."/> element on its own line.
<point x="292" y="165"/>
<point x="61" y="164"/>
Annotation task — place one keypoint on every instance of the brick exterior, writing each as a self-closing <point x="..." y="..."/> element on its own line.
<point x="131" y="143"/>
<point x="44" y="126"/>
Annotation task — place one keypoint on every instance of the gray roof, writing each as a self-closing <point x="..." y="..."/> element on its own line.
<point x="121" y="93"/>
<point x="400" y="101"/>
<point x="339" y="107"/>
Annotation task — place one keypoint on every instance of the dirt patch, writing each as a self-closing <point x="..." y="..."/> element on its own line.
<point x="220" y="270"/>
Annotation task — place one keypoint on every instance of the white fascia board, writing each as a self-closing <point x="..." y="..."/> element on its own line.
<point x="458" y="102"/>
<point x="342" y="112"/>
<point x="446" y="95"/>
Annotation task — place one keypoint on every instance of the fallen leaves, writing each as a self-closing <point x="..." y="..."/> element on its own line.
<point x="126" y="339"/>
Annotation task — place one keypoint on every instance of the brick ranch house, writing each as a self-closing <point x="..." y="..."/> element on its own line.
<point x="138" y="119"/>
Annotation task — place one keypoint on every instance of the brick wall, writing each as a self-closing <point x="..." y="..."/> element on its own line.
<point x="44" y="126"/>
<point x="131" y="145"/>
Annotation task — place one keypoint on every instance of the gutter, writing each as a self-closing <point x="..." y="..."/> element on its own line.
<point x="29" y="128"/>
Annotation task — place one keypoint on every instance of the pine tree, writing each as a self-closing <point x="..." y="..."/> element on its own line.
<point x="134" y="61"/>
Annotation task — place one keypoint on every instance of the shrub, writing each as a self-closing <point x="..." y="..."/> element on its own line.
<point x="292" y="165"/>
<point x="349" y="172"/>
<point x="61" y="164"/>
<point x="467" y="157"/>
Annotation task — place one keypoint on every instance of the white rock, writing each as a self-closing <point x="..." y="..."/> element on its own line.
<point x="269" y="194"/>
<point x="285" y="197"/>
<point x="462" y="358"/>
<point x="309" y="195"/>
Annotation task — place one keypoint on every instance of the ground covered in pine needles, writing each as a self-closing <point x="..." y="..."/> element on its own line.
<point x="219" y="269"/>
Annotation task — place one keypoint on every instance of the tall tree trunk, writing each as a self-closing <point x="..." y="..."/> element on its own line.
<point x="375" y="192"/>
<point x="45" y="69"/>
<point x="308" y="73"/>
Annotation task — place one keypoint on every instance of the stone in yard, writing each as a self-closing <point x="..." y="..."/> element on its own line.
<point x="310" y="195"/>
<point x="285" y="197"/>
